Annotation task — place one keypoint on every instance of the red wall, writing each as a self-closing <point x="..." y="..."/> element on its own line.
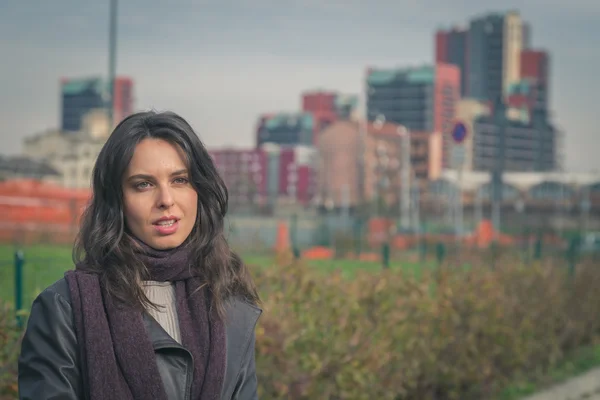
<point x="123" y="100"/>
<point x="441" y="47"/>
<point x="534" y="64"/>
<point x="319" y="102"/>
<point x="322" y="107"/>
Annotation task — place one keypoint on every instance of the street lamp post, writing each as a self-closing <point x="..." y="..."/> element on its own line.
<point x="416" y="200"/>
<point x="112" y="60"/>
<point x="405" y="186"/>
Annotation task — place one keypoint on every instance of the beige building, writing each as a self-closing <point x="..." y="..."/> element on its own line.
<point x="467" y="110"/>
<point x="72" y="154"/>
<point x="341" y="152"/>
<point x="513" y="44"/>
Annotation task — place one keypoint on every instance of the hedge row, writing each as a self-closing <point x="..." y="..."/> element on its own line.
<point x="10" y="336"/>
<point x="448" y="334"/>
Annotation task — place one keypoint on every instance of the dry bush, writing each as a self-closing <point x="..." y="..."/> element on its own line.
<point x="448" y="334"/>
<point x="10" y="336"/>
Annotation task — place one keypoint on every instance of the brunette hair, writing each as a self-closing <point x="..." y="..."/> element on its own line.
<point x="104" y="246"/>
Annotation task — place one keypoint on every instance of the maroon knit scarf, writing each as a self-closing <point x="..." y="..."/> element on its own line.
<point x="118" y="361"/>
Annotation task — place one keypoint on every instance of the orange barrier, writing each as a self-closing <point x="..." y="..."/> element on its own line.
<point x="485" y="235"/>
<point x="318" y="253"/>
<point x="32" y="209"/>
<point x="282" y="241"/>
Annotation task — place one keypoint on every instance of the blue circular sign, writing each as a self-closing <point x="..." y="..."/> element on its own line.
<point x="459" y="132"/>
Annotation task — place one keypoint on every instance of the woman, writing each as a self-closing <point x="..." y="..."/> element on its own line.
<point x="158" y="306"/>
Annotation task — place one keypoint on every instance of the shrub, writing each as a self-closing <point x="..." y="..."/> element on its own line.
<point x="454" y="333"/>
<point x="10" y="337"/>
<point x="447" y="333"/>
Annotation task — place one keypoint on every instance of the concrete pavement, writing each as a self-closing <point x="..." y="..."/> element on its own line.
<point x="586" y="386"/>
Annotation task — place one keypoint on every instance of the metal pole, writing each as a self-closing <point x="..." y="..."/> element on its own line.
<point x="345" y="203"/>
<point x="559" y="208"/>
<point x="416" y="205"/>
<point x="112" y="60"/>
<point x="585" y="208"/>
<point x="499" y="164"/>
<point x="459" y="206"/>
<point x="405" y="186"/>
<point x="496" y="211"/>
<point x="19" y="261"/>
<point x="362" y="146"/>
<point x="478" y="208"/>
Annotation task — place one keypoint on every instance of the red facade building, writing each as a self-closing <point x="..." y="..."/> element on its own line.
<point x="255" y="176"/>
<point x="532" y="91"/>
<point x="244" y="173"/>
<point x="535" y="65"/>
<point x="123" y="100"/>
<point x="322" y="106"/>
<point x="451" y="47"/>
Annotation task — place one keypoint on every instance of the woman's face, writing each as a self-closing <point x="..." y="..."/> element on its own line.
<point x="160" y="204"/>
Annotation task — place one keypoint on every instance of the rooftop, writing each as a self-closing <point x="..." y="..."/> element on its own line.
<point x="471" y="180"/>
<point x="282" y="119"/>
<point x="25" y="166"/>
<point x="77" y="86"/>
<point x="424" y="74"/>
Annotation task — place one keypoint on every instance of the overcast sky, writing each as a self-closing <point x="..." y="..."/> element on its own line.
<point x="222" y="63"/>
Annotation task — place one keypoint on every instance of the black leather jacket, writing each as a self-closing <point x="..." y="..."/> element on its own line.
<point x="49" y="366"/>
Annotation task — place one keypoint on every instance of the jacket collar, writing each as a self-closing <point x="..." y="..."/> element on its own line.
<point x="240" y="317"/>
<point x="158" y="336"/>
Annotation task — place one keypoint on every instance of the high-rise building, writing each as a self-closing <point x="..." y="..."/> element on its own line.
<point x="494" y="55"/>
<point x="531" y="91"/>
<point x="535" y="67"/>
<point x="451" y="47"/>
<point x="526" y="36"/>
<point x="506" y="144"/>
<point x="124" y="99"/>
<point x="422" y="99"/>
<point x="81" y="96"/>
<point x="286" y="129"/>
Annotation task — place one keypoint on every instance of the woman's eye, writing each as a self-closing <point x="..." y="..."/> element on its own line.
<point x="181" y="180"/>
<point x="142" y="185"/>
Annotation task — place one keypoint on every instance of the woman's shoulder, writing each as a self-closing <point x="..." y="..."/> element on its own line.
<point x="241" y="315"/>
<point x="238" y="303"/>
<point x="59" y="289"/>
<point x="56" y="296"/>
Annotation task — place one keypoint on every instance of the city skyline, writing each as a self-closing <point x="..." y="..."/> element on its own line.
<point x="233" y="63"/>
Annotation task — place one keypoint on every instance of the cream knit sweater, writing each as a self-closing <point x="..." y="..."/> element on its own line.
<point x="163" y="294"/>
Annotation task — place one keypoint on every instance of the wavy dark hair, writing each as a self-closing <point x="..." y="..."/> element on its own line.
<point x="104" y="245"/>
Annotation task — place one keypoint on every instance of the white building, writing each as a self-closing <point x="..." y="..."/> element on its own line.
<point x="72" y="154"/>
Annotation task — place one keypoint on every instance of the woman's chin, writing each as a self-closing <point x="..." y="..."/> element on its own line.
<point x="164" y="243"/>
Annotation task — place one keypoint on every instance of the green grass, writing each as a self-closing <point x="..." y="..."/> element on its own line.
<point x="45" y="264"/>
<point x="347" y="267"/>
<point x="576" y="363"/>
